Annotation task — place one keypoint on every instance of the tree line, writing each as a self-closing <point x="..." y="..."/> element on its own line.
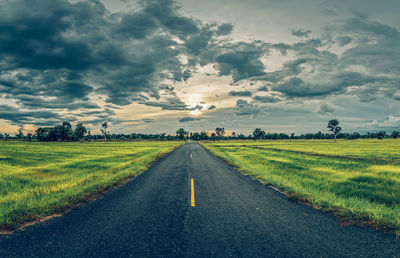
<point x="66" y="132"/>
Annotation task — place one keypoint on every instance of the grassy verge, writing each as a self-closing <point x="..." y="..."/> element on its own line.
<point x="41" y="179"/>
<point x="359" y="181"/>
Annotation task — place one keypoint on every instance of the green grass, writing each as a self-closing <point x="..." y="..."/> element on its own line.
<point x="357" y="180"/>
<point x="41" y="179"/>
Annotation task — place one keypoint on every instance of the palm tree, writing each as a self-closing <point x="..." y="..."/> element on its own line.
<point x="220" y="132"/>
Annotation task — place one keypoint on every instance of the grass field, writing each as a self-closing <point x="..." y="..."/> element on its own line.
<point x="357" y="180"/>
<point x="41" y="179"/>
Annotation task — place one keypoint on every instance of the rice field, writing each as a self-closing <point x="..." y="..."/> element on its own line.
<point x="41" y="179"/>
<point x="358" y="180"/>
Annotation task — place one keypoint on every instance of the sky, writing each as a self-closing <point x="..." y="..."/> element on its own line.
<point x="152" y="66"/>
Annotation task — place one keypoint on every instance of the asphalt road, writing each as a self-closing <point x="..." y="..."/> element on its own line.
<point x="152" y="216"/>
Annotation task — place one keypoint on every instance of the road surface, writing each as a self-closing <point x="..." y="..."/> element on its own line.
<point x="233" y="215"/>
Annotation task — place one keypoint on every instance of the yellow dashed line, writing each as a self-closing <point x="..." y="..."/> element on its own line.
<point x="192" y="195"/>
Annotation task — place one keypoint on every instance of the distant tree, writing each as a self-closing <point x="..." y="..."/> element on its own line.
<point x="180" y="133"/>
<point x="134" y="136"/>
<point x="43" y="134"/>
<point x="353" y="136"/>
<point x="80" y="131"/>
<point x="203" y="135"/>
<point x="381" y="135"/>
<point x="195" y="136"/>
<point x="104" y="130"/>
<point x="57" y="133"/>
<point x="233" y="134"/>
<point x="258" y="133"/>
<point x="20" y="134"/>
<point x="333" y="126"/>
<point x="89" y="136"/>
<point x="29" y="137"/>
<point x="67" y="133"/>
<point x="220" y="131"/>
<point x="241" y="136"/>
<point x="162" y="136"/>
<point x="395" y="134"/>
<point x="1" y="136"/>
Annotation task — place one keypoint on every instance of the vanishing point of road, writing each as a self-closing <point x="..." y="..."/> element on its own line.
<point x="191" y="204"/>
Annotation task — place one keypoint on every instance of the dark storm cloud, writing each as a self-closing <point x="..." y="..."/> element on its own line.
<point x="188" y="119"/>
<point x="57" y="57"/>
<point x="245" y="93"/>
<point x="266" y="99"/>
<point x="242" y="61"/>
<point x="296" y="87"/>
<point x="243" y="108"/>
<point x="224" y="29"/>
<point x="365" y="68"/>
<point x="171" y="103"/>
<point x="166" y="13"/>
<point x="378" y="46"/>
<point x="197" y="107"/>
<point x="148" y="120"/>
<point x="301" y="33"/>
<point x="344" y="40"/>
<point x="61" y="49"/>
<point x="325" y="108"/>
<point x="20" y="117"/>
<point x="99" y="113"/>
<point x="136" y="26"/>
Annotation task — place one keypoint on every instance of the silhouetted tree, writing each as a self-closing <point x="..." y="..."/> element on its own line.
<point x="220" y="131"/>
<point x="67" y="133"/>
<point x="353" y="136"/>
<point x="203" y="135"/>
<point x="162" y="136"/>
<point x="104" y="130"/>
<point x="80" y="131"/>
<point x="258" y="134"/>
<point x="29" y="137"/>
<point x="180" y="133"/>
<point x="333" y="126"/>
<point x="395" y="134"/>
<point x="381" y="135"/>
<point x="20" y="134"/>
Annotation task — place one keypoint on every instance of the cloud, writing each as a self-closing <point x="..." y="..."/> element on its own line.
<point x="391" y="121"/>
<point x="224" y="29"/>
<point x="325" y="108"/>
<point x="69" y="60"/>
<point x="245" y="93"/>
<point x="188" y="119"/>
<point x="171" y="103"/>
<point x="243" y="108"/>
<point x="301" y="33"/>
<point x="69" y="50"/>
<point x="20" y="117"/>
<point x="266" y="99"/>
<point x="344" y="40"/>
<point x="242" y="61"/>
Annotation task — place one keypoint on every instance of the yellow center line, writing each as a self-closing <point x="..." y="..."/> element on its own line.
<point x="192" y="195"/>
<point x="191" y="156"/>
